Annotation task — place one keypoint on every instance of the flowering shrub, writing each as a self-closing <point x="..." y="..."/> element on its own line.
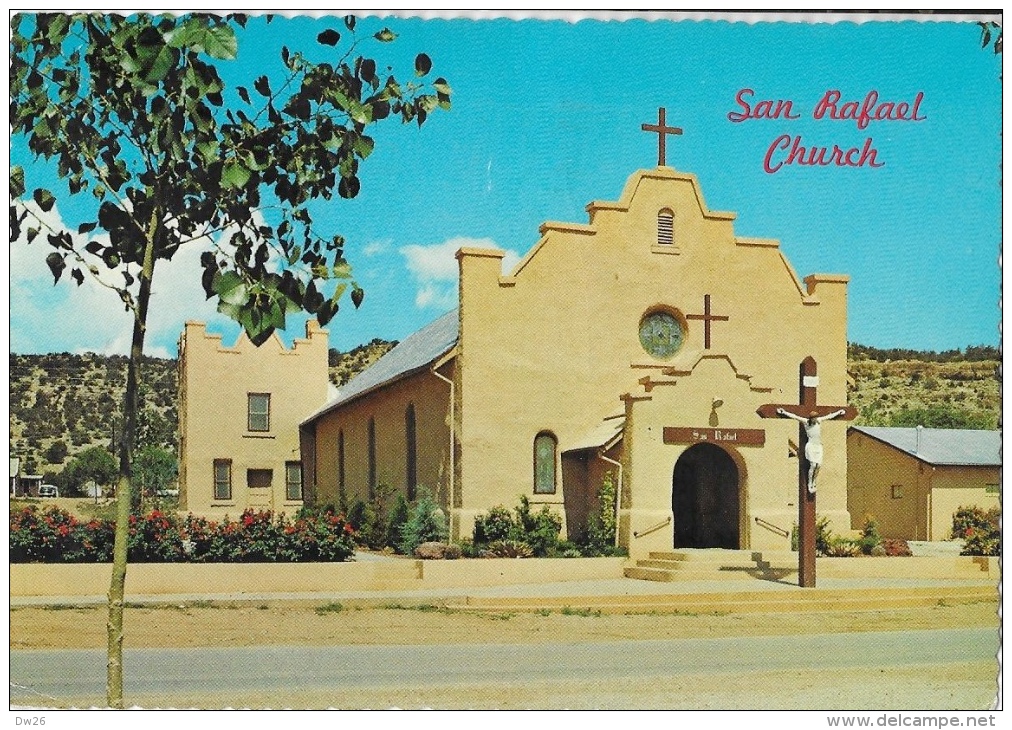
<point x="979" y="530"/>
<point x="56" y="536"/>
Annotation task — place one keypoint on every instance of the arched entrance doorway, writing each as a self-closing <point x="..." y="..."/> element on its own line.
<point x="705" y="499"/>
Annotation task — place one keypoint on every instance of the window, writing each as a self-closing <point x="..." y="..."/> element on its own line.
<point x="372" y="458"/>
<point x="340" y="461"/>
<point x="544" y="463"/>
<point x="259" y="418"/>
<point x="222" y="479"/>
<point x="665" y="227"/>
<point x="259" y="478"/>
<point x="411" y="451"/>
<point x="293" y="480"/>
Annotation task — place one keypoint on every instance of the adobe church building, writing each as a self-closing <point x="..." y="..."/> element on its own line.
<point x="639" y="343"/>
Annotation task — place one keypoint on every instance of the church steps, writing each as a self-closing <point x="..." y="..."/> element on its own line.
<point x="681" y="565"/>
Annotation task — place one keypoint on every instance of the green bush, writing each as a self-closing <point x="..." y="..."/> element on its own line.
<point x="426" y="523"/>
<point x="398" y="518"/>
<point x="870" y="537"/>
<point x="496" y="525"/>
<point x="539" y="531"/>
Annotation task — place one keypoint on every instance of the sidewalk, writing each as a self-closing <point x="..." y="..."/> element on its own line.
<point x="830" y="593"/>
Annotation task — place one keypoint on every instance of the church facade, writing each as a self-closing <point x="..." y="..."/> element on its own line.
<point x="642" y="343"/>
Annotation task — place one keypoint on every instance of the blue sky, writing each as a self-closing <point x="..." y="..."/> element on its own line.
<point x="546" y="117"/>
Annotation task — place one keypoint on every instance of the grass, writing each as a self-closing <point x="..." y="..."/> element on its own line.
<point x="585" y="612"/>
<point x="332" y="607"/>
<point x="420" y="607"/>
<point x="63" y="607"/>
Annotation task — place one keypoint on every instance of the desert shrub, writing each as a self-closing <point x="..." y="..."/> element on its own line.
<point x="468" y="549"/>
<point x="870" y="536"/>
<point x="426" y="523"/>
<point x="453" y="552"/>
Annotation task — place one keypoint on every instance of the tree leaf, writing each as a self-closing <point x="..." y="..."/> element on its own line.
<point x="220" y="42"/>
<point x="262" y="85"/>
<point x="349" y="20"/>
<point x="423" y="64"/>
<point x="56" y="265"/>
<point x="357" y="295"/>
<point x="348" y="187"/>
<point x="44" y="199"/>
<point x="17" y="181"/>
<point x="385" y="36"/>
<point x="77" y="276"/>
<point x="243" y="94"/>
<point x="329" y="37"/>
<point x="86" y="227"/>
<point x="234" y="175"/>
<point x="230" y="288"/>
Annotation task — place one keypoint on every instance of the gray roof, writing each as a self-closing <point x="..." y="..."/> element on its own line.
<point x="942" y="446"/>
<point x="415" y="353"/>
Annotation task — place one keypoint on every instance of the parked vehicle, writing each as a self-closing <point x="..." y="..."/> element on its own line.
<point x="48" y="491"/>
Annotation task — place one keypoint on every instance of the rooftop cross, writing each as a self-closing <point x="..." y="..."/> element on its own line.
<point x="662" y="130"/>
<point x="707" y="317"/>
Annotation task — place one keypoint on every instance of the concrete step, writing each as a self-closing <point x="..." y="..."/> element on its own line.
<point x="690" y="574"/>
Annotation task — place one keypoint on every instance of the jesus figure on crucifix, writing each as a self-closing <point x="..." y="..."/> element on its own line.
<point x="813" y="443"/>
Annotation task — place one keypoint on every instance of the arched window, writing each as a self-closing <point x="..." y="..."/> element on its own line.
<point x="665" y="227"/>
<point x="545" y="446"/>
<point x="340" y="465"/>
<point x="411" y="445"/>
<point x="372" y="458"/>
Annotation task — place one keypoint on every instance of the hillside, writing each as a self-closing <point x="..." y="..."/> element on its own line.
<point x="76" y="399"/>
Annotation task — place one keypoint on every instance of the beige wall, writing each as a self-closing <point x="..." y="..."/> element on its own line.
<point x="910" y="499"/>
<point x="388" y="407"/>
<point x="553" y="345"/>
<point x="214" y="382"/>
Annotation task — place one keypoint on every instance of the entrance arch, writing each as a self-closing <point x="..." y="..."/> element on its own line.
<point x="705" y="499"/>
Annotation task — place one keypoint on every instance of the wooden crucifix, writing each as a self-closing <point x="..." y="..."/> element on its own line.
<point x="662" y="129"/>
<point x="810" y="416"/>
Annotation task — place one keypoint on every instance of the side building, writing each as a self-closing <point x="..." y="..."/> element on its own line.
<point x="912" y="480"/>
<point x="239" y="410"/>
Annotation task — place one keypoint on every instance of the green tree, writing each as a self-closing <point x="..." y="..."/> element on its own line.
<point x="941" y="416"/>
<point x="154" y="470"/>
<point x="56" y="452"/>
<point x="91" y="465"/>
<point x="142" y="129"/>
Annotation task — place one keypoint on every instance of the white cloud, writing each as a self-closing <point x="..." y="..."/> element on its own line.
<point x="90" y="317"/>
<point x="434" y="269"/>
<point x="375" y="248"/>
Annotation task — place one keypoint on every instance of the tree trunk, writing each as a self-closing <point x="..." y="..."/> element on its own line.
<point x="114" y="675"/>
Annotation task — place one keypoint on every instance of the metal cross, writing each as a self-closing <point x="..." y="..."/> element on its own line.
<point x="707" y="318"/>
<point x="661" y="129"/>
<point x="806" y="407"/>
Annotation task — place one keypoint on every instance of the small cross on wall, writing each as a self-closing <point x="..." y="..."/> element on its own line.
<point x="662" y="130"/>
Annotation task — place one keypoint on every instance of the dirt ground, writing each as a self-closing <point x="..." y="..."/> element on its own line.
<point x="205" y="623"/>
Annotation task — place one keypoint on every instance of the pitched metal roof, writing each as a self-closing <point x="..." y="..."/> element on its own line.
<point x="605" y="434"/>
<point x="415" y="353"/>
<point x="941" y="446"/>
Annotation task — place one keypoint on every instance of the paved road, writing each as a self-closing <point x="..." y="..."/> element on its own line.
<point x="36" y="675"/>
